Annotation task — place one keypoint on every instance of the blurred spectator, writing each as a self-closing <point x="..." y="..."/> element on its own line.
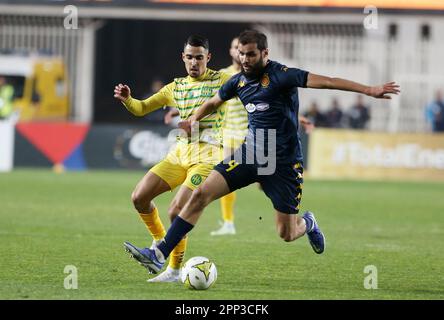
<point x="158" y="115"/>
<point x="435" y="113"/>
<point x="6" y="98"/>
<point x="156" y="86"/>
<point x="334" y="115"/>
<point x="316" y="116"/>
<point x="359" y="115"/>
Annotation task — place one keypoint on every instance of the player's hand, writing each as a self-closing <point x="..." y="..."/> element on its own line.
<point x="186" y="126"/>
<point x="122" y="92"/>
<point x="308" y="126"/>
<point x="383" y="91"/>
<point x="168" y="118"/>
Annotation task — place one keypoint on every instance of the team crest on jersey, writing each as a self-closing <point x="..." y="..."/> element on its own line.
<point x="190" y="95"/>
<point x="241" y="84"/>
<point x="207" y="91"/>
<point x="265" y="81"/>
<point x="196" y="179"/>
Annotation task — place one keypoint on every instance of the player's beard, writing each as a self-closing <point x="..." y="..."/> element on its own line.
<point x="256" y="69"/>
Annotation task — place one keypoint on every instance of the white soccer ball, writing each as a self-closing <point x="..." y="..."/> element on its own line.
<point x="199" y="273"/>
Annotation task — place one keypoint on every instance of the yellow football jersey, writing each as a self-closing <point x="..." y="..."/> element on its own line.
<point x="187" y="94"/>
<point x="236" y="120"/>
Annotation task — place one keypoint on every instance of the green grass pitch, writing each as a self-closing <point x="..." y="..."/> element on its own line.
<point x="48" y="221"/>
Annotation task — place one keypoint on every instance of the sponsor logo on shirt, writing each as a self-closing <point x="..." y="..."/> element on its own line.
<point x="251" y="107"/>
<point x="262" y="106"/>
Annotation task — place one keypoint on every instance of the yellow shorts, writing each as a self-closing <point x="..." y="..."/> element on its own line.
<point x="188" y="164"/>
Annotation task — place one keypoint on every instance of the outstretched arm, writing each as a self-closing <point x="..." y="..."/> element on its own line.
<point x="139" y="107"/>
<point x="381" y="92"/>
<point x="207" y="108"/>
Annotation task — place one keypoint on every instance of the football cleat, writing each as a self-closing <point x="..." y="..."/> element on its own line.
<point x="146" y="257"/>
<point x="226" y="228"/>
<point x="169" y="275"/>
<point x="315" y="235"/>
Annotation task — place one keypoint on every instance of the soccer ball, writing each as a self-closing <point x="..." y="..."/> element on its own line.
<point x="199" y="273"/>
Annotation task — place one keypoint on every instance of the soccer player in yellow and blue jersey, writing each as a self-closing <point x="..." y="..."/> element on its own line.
<point x="189" y="163"/>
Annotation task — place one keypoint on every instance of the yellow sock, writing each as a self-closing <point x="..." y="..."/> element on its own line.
<point x="154" y="224"/>
<point x="178" y="253"/>
<point x="227" y="206"/>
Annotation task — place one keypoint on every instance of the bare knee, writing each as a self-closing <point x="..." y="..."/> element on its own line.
<point x="199" y="198"/>
<point x="141" y="203"/>
<point x="174" y="210"/>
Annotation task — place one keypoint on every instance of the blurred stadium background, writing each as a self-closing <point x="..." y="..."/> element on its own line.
<point x="60" y="60"/>
<point x="63" y="62"/>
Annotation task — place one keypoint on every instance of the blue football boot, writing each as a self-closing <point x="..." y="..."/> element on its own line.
<point x="146" y="257"/>
<point x="315" y="235"/>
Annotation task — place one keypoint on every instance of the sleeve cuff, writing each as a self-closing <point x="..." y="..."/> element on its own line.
<point x="222" y="96"/>
<point x="305" y="79"/>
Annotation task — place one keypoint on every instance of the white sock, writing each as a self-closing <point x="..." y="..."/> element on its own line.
<point x="159" y="255"/>
<point x="173" y="271"/>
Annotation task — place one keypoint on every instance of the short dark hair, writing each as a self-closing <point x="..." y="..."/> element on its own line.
<point x="254" y="36"/>
<point x="197" y="41"/>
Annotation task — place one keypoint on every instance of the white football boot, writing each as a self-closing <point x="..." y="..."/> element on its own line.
<point x="226" y="228"/>
<point x="169" y="275"/>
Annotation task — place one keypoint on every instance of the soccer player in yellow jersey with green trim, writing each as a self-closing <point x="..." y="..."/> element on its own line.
<point x="234" y="131"/>
<point x="189" y="163"/>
